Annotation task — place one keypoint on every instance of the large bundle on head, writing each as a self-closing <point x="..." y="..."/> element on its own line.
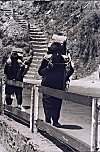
<point x="60" y="39"/>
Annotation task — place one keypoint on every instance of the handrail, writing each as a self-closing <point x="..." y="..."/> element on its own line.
<point x="34" y="98"/>
<point x="36" y="88"/>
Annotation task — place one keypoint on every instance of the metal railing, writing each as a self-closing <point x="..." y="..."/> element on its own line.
<point x="36" y="89"/>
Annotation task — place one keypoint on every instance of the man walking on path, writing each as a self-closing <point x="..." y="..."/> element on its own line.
<point x="54" y="75"/>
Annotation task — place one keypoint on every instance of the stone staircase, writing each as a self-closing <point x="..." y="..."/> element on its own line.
<point x="38" y="41"/>
<point x="8" y="12"/>
<point x="19" y="19"/>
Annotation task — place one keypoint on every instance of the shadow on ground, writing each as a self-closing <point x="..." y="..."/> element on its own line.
<point x="62" y="146"/>
<point x="71" y="127"/>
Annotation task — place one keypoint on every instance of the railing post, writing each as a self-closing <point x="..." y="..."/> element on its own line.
<point x="99" y="72"/>
<point x="31" y="109"/>
<point x="2" y="94"/>
<point x="34" y="108"/>
<point x="94" y="128"/>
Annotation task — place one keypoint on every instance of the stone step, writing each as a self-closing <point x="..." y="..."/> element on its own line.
<point x="37" y="58"/>
<point x="40" y="46"/>
<point x="35" y="62"/>
<point x="18" y="16"/>
<point x="40" y="49"/>
<point x="32" y="26"/>
<point x="36" y="33"/>
<point x="39" y="53"/>
<point x="23" y="26"/>
<point x="21" y="21"/>
<point x="37" y="36"/>
<point x="33" y="65"/>
<point x="44" y="50"/>
<point x="39" y="39"/>
<point x="8" y="11"/>
<point x="31" y="75"/>
<point x="32" y="70"/>
<point x="32" y="79"/>
<point x="34" y="30"/>
<point x="40" y="42"/>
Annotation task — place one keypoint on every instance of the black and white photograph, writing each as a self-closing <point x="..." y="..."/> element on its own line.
<point x="49" y="76"/>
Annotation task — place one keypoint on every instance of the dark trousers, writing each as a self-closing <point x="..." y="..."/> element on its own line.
<point x="10" y="90"/>
<point x="52" y="107"/>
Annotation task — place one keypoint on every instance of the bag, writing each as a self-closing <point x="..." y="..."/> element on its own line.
<point x="69" y="70"/>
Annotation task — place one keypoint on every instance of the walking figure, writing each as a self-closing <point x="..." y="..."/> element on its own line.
<point x="14" y="70"/>
<point x="54" y="75"/>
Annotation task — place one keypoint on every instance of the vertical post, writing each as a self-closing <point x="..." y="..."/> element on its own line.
<point x="3" y="93"/>
<point x="31" y="109"/>
<point x="36" y="108"/>
<point x="99" y="72"/>
<point x="94" y="128"/>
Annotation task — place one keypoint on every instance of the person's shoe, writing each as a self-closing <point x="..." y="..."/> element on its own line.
<point x="23" y="109"/>
<point x="57" y="124"/>
<point x="48" y="121"/>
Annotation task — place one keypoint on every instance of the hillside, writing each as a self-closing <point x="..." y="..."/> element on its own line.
<point x="79" y="21"/>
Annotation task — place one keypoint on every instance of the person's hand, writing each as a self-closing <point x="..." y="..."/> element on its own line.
<point x="4" y="78"/>
<point x="67" y="84"/>
<point x="50" y="65"/>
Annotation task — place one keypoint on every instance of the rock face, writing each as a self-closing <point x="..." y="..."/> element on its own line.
<point x="79" y="21"/>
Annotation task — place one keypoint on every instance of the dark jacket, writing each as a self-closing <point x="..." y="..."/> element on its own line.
<point x="14" y="71"/>
<point x="53" y="77"/>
